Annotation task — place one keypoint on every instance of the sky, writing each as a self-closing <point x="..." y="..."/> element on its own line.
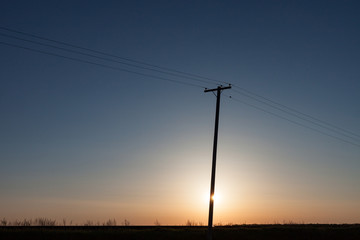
<point x="96" y="138"/>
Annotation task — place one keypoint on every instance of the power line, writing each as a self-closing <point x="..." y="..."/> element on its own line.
<point x="102" y="65"/>
<point x="115" y="56"/>
<point x="199" y="78"/>
<point x="329" y="125"/>
<point x="187" y="75"/>
<point x="300" y="116"/>
<point x="103" y="58"/>
<point x="173" y="72"/>
<point x="295" y="122"/>
<point x="179" y="82"/>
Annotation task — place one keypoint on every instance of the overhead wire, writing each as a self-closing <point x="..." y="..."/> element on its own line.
<point x="185" y="74"/>
<point x="103" y="58"/>
<point x="256" y="97"/>
<point x="173" y="72"/>
<point x="298" y="115"/>
<point x="102" y="65"/>
<point x="293" y="121"/>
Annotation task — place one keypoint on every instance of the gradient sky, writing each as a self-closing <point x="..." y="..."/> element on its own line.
<point x="83" y="142"/>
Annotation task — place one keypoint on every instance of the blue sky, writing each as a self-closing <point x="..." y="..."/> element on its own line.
<point x="84" y="142"/>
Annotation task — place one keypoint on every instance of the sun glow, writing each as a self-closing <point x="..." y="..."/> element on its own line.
<point x="216" y="198"/>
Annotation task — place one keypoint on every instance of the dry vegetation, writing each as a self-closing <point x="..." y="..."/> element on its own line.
<point x="47" y="222"/>
<point x="43" y="228"/>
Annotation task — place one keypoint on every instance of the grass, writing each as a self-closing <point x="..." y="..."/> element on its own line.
<point x="245" y="232"/>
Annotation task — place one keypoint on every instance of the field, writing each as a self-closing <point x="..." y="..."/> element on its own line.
<point x="244" y="232"/>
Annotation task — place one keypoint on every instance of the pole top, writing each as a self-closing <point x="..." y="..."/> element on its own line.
<point x="218" y="88"/>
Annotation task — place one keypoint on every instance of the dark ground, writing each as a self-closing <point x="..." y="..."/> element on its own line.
<point x="243" y="232"/>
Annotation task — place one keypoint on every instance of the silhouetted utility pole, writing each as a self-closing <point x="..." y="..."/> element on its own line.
<point x="212" y="187"/>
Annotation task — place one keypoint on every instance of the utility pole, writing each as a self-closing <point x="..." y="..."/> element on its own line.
<point x="213" y="168"/>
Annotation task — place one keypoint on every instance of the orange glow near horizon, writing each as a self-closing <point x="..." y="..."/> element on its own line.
<point x="249" y="194"/>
